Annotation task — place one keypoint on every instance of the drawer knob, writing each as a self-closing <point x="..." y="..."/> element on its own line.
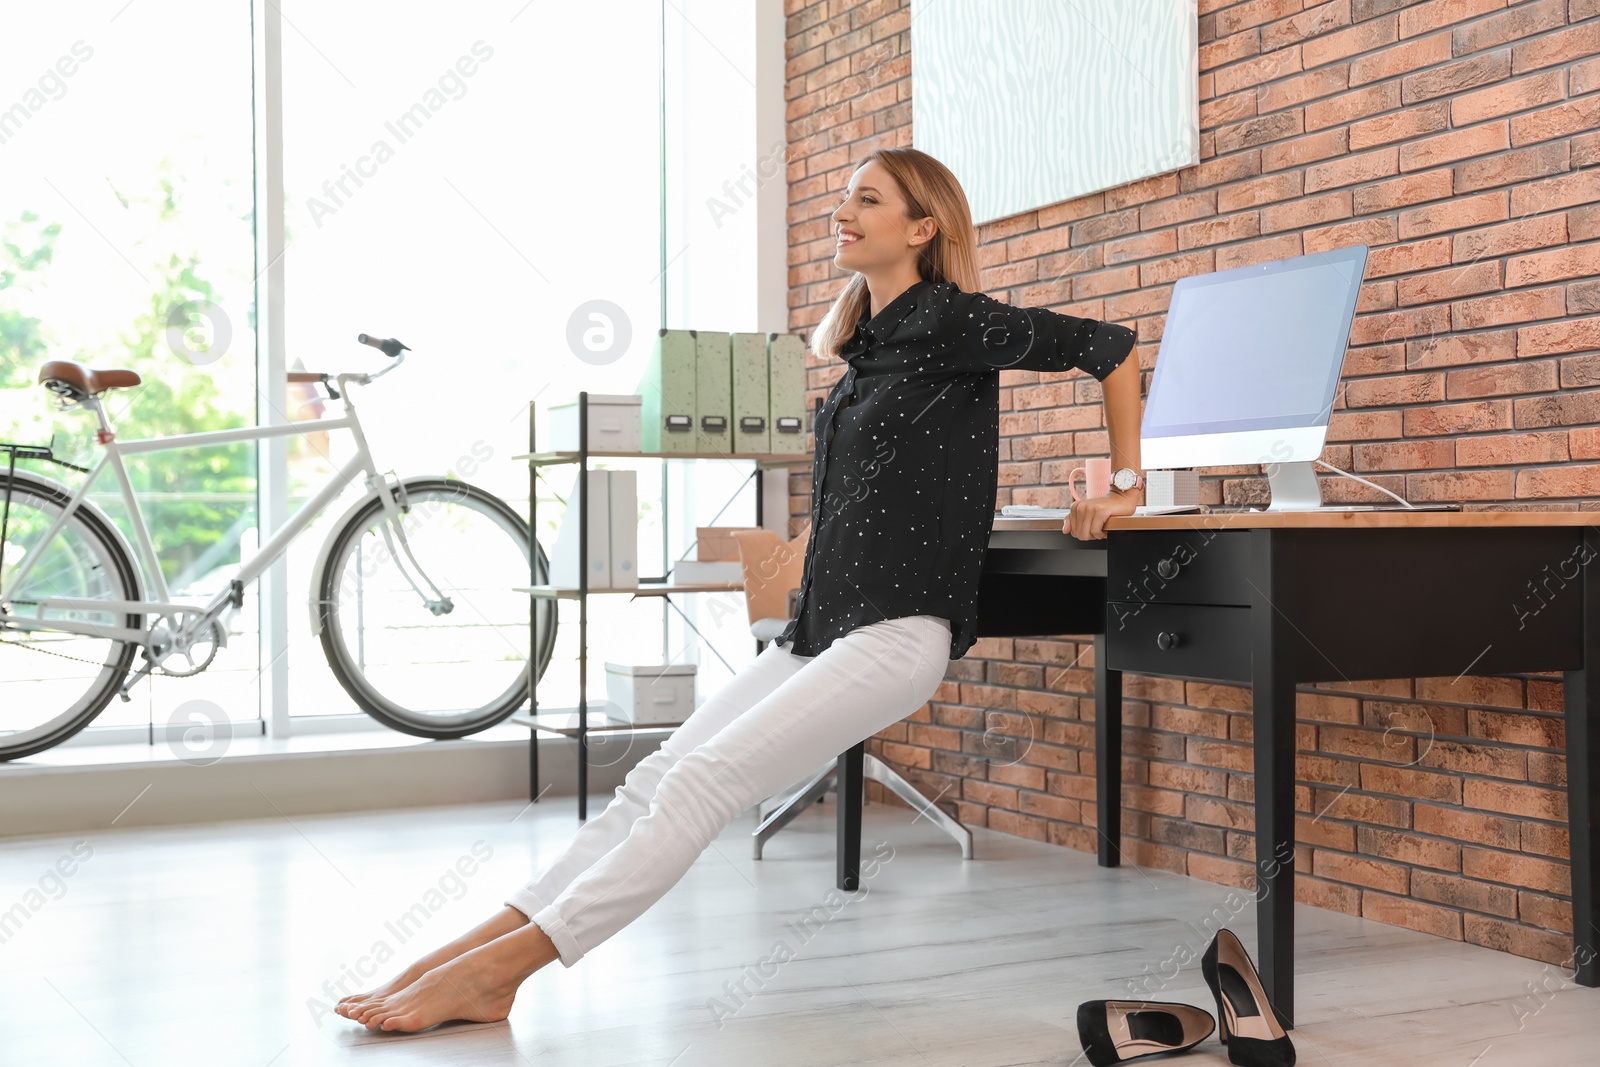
<point x="1165" y="640"/>
<point x="1167" y="568"/>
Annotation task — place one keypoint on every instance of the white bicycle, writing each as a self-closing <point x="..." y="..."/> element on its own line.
<point x="412" y="595"/>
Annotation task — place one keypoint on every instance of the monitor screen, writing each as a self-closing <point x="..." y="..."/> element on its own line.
<point x="1255" y="348"/>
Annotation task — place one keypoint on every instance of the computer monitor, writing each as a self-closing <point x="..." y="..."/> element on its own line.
<point x="1248" y="366"/>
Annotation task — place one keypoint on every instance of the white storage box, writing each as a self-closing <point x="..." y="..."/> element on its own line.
<point x="613" y="424"/>
<point x="650" y="694"/>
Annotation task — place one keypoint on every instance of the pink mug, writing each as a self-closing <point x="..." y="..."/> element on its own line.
<point x="1096" y="478"/>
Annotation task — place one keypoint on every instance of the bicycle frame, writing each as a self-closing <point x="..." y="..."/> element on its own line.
<point x="197" y="619"/>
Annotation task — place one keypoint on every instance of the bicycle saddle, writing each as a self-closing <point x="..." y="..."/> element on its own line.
<point x="74" y="381"/>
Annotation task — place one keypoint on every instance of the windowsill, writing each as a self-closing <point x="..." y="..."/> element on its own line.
<point x="244" y="748"/>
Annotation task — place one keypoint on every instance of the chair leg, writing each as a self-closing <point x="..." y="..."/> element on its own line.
<point x="783" y="813"/>
<point x="882" y="773"/>
<point x="851" y="787"/>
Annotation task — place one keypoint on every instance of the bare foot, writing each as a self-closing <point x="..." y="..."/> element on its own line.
<point x="507" y="920"/>
<point x="479" y="986"/>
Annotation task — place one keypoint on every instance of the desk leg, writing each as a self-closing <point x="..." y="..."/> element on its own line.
<point x="1582" y="692"/>
<point x="1107" y="755"/>
<point x="850" y="782"/>
<point x="1273" y="714"/>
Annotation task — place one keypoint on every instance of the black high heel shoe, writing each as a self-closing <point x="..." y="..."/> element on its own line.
<point x="1245" y="1020"/>
<point x="1116" y="1031"/>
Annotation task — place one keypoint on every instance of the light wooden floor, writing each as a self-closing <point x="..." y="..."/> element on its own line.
<point x="211" y="945"/>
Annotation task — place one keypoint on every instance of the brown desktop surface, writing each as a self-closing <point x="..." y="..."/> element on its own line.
<point x="1244" y="520"/>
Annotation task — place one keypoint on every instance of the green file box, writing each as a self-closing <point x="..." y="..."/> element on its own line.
<point x="667" y="389"/>
<point x="713" y="392"/>
<point x="751" y="401"/>
<point x="786" y="363"/>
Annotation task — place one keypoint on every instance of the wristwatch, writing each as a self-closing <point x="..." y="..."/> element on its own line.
<point x="1125" y="479"/>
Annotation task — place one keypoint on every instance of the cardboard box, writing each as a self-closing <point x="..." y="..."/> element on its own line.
<point x="650" y="694"/>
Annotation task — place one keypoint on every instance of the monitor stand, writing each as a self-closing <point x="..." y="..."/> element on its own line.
<point x="1294" y="487"/>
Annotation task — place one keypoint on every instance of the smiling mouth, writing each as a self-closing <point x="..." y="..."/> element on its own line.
<point x="848" y="238"/>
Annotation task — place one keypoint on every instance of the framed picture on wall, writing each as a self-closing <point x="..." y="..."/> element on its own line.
<point x="1032" y="102"/>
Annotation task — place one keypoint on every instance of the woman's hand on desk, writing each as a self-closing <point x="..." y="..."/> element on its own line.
<point x="1087" y="519"/>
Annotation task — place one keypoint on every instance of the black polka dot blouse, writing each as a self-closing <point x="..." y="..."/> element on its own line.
<point x="907" y="456"/>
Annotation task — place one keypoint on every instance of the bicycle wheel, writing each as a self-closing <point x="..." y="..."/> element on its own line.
<point x="52" y="683"/>
<point x="428" y="675"/>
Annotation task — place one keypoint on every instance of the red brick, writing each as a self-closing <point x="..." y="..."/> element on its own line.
<point x="1317" y="20"/>
<point x="1403" y="455"/>
<point x="1409" y="848"/>
<point x="1450" y="284"/>
<point x="1329" y="895"/>
<point x="1228" y="109"/>
<point x="1458" y="418"/>
<point x="1411" y="914"/>
<point x="1264" y="190"/>
<point x="1522" y="305"/>
<point x="1574" y="261"/>
<point x="1283" y="246"/>
<point x="1500" y="381"/>
<point x="1573" y="335"/>
<point x="1545" y="839"/>
<point x="1541" y="231"/>
<point x="1564" y="120"/>
<point x="1490" y="760"/>
<point x="1494" y="830"/>
<point x="1508" y="97"/>
<point x="1556" y="483"/>
<point x="1410" y="782"/>
<point x="1248" y="73"/>
<point x="1430" y="16"/>
<point x="1565" y="410"/>
<point x="1401" y="59"/>
<point x="1349" y="107"/>
<point x="1507" y="868"/>
<point x="1371" y="232"/>
<point x="1454" y="77"/>
<point x="1141" y="246"/>
<point x="1361" y="38"/>
<point x="1563" y="46"/>
<point x="1511" y="798"/>
<point x="1464" y="893"/>
<point x="1229" y="49"/>
<point x="1237" y="17"/>
<point x="1412" y="256"/>
<point x="1478" y="140"/>
<point x="1353" y="169"/>
<point x="1511" y="168"/>
<point x="1292" y="92"/>
<point x="1302" y="150"/>
<point x="1553" y="194"/>
<point x="1304" y="212"/>
<point x="1404" y="191"/>
<point x="1548" y="912"/>
<point x="1178" y="209"/>
<point x="1518" y="940"/>
<point x="1219" y="230"/>
<point x="1453" y="215"/>
<point x="1452" y="350"/>
<point x="1523" y="21"/>
<point x="1512" y="450"/>
<point x="1357" y="870"/>
<point x="1580" y="372"/>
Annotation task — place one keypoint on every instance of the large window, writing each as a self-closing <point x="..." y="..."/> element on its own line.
<point x="126" y="241"/>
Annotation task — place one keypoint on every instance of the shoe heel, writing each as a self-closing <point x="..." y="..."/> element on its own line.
<point x="1208" y="971"/>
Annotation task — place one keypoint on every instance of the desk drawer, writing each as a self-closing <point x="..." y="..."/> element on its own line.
<point x="1179" y="566"/>
<point x="1201" y="641"/>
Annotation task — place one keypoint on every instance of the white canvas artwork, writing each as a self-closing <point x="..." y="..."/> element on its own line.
<point x="1032" y="102"/>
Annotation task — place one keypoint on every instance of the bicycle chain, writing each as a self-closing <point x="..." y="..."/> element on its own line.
<point x="47" y="652"/>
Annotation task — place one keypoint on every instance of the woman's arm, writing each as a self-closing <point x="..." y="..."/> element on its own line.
<point x="1087" y="519"/>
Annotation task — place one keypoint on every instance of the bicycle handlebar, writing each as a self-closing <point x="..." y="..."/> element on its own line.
<point x="387" y="345"/>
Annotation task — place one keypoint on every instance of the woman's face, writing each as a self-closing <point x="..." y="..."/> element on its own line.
<point x="870" y="226"/>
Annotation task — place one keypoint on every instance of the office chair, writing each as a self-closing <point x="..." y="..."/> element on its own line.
<point x="772" y="573"/>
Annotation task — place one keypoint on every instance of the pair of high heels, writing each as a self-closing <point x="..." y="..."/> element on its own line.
<point x="1116" y="1031"/>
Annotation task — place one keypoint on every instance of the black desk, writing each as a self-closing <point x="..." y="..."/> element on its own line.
<point x="1284" y="599"/>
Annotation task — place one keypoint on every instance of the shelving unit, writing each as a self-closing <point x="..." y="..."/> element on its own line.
<point x="568" y="722"/>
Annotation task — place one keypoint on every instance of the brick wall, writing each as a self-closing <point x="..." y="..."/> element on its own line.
<point x="1457" y="139"/>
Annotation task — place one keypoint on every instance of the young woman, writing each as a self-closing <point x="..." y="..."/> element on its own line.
<point x="902" y="502"/>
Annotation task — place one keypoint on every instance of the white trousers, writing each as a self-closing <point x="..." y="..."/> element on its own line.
<point x="779" y="719"/>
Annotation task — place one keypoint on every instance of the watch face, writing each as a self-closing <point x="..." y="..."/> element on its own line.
<point x="1124" y="478"/>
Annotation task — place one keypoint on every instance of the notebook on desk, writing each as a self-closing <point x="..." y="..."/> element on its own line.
<point x="1030" y="511"/>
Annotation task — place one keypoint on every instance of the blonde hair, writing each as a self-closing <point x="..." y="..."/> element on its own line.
<point x="951" y="255"/>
